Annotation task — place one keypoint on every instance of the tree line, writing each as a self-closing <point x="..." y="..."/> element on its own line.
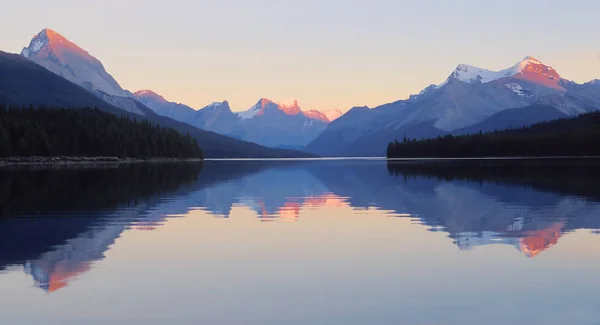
<point x="88" y="132"/>
<point x="579" y="136"/>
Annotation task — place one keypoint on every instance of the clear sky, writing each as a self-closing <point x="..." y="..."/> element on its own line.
<point x="324" y="53"/>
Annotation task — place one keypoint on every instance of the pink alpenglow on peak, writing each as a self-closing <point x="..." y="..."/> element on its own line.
<point x="529" y="69"/>
<point x="263" y="103"/>
<point x="317" y="115"/>
<point x="66" y="59"/>
<point x="293" y="109"/>
<point x="150" y="95"/>
<point x="324" y="116"/>
<point x="48" y="42"/>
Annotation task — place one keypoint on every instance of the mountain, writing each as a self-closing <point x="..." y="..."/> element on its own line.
<point x="266" y="123"/>
<point x="25" y="83"/>
<point x="63" y="57"/>
<point x="163" y="107"/>
<point x="66" y="59"/>
<point x="277" y="125"/>
<point x="471" y="99"/>
<point x="218" y="117"/>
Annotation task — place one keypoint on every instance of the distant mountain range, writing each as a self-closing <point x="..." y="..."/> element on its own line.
<point x="470" y="100"/>
<point x="54" y="72"/>
<point x="266" y="123"/>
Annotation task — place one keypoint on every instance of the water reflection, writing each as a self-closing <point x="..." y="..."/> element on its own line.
<point x="527" y="207"/>
<point x="57" y="223"/>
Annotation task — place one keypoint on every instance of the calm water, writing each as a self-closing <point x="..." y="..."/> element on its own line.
<point x="338" y="242"/>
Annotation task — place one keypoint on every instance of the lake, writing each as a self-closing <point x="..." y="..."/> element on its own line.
<point x="300" y="242"/>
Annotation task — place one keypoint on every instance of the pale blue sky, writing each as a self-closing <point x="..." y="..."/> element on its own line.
<point x="326" y="54"/>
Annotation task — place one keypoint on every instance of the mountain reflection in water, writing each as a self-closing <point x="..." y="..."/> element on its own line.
<point x="58" y="222"/>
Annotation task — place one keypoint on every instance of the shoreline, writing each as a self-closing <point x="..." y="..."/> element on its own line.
<point x="83" y="160"/>
<point x="466" y="161"/>
<point x="556" y="161"/>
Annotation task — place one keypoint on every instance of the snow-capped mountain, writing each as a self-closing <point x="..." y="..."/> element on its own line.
<point x="66" y="59"/>
<point x="63" y="57"/>
<point x="316" y="115"/>
<point x="278" y="125"/>
<point x="266" y="104"/>
<point x="470" y="96"/>
<point x="529" y="68"/>
<point x="266" y="123"/>
<point x="218" y="117"/>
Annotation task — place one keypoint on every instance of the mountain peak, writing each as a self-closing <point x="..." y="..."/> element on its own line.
<point x="314" y="114"/>
<point x="531" y="59"/>
<point x="149" y="94"/>
<point x="469" y="74"/>
<point x="263" y="103"/>
<point x="525" y="63"/>
<point x="533" y="70"/>
<point x="529" y="68"/>
<point x="293" y="109"/>
<point x="49" y="43"/>
<point x="224" y="105"/>
<point x="66" y="59"/>
<point x="51" y="34"/>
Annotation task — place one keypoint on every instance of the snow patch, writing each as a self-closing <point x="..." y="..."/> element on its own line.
<point x="214" y="104"/>
<point x="249" y="113"/>
<point x="37" y="45"/>
<point x="516" y="88"/>
<point x="468" y="73"/>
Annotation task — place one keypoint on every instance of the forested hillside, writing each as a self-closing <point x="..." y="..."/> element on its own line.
<point x="88" y="132"/>
<point x="578" y="136"/>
